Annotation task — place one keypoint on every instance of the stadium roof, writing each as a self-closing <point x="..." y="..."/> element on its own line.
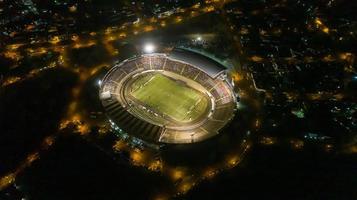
<point x="208" y="65"/>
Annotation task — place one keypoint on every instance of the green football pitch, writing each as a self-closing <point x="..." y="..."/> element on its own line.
<point x="170" y="97"/>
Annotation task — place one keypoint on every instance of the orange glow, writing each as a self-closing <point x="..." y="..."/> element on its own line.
<point x="345" y="56"/>
<point x="83" y="129"/>
<point x="38" y="51"/>
<point x="155" y="165"/>
<point x="326" y="30"/>
<point x="55" y="40"/>
<point x="11" y="80"/>
<point x="119" y="145"/>
<point x="82" y="77"/>
<point x="76" y="118"/>
<point x="32" y="157"/>
<point x="77" y="46"/>
<point x="237" y="77"/>
<point x="197" y="5"/>
<point x="162" y="197"/>
<point x="233" y="161"/>
<point x="177" y="174"/>
<point x="33" y="72"/>
<point x="267" y="140"/>
<point x="328" y="58"/>
<point x="256" y="58"/>
<point x="12" y="55"/>
<point x="63" y="124"/>
<point x="136" y="157"/>
<point x="209" y="9"/>
<point x="110" y="38"/>
<point x="185" y="187"/>
<point x="76" y="91"/>
<point x="49" y="141"/>
<point x="7" y="180"/>
<point x="152" y="20"/>
<point x="103" y="130"/>
<point x="108" y="30"/>
<point x="122" y="35"/>
<point x="72" y="107"/>
<point x="95" y="70"/>
<point x="318" y="21"/>
<point x="148" y="28"/>
<point x="58" y="49"/>
<point x="321" y="26"/>
<point x="82" y="45"/>
<point x="12" y="34"/>
<point x="209" y="173"/>
<point x="74" y="37"/>
<point x="14" y="46"/>
<point x="178" y="19"/>
<point x="193" y="13"/>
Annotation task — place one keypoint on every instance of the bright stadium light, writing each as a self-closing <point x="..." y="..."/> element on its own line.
<point x="199" y="38"/>
<point x="149" y="48"/>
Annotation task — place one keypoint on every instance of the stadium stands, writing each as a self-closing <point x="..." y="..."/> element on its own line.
<point x="125" y="116"/>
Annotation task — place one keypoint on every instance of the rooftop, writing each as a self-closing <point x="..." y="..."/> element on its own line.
<point x="206" y="64"/>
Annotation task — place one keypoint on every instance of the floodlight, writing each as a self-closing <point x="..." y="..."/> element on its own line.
<point x="149" y="48"/>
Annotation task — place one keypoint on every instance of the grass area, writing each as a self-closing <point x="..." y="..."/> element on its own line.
<point x="169" y="97"/>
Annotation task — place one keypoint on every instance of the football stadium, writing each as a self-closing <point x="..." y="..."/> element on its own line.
<point x="177" y="97"/>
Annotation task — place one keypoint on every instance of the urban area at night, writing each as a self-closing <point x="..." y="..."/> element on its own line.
<point x="178" y="99"/>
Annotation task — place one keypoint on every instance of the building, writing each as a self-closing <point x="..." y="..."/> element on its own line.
<point x="179" y="97"/>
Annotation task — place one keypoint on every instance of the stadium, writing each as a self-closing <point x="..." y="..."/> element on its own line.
<point x="173" y="98"/>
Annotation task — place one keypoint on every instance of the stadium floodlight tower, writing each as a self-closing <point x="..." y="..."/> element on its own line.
<point x="177" y="97"/>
